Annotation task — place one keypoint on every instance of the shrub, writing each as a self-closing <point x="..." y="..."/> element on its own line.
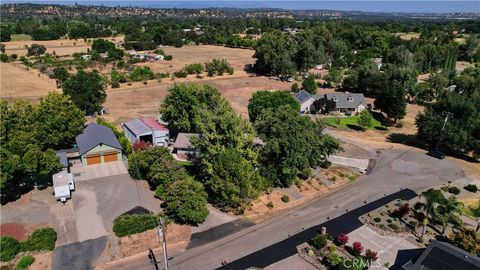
<point x="454" y="190"/>
<point x="285" y="198"/>
<point x="402" y="211"/>
<point x="125" y="225"/>
<point x="10" y="248"/>
<point x="25" y="262"/>
<point x="342" y="239"/>
<point x="357" y="247"/>
<point x="195" y="68"/>
<point x="41" y="239"/>
<point x="294" y="87"/>
<point x="115" y="84"/>
<point x="142" y="74"/>
<point x="377" y="219"/>
<point x="334" y="259"/>
<point x="319" y="241"/>
<point x="393" y="226"/>
<point x="180" y="74"/>
<point x="168" y="57"/>
<point x="141" y="145"/>
<point x="471" y="187"/>
<point x="389" y="221"/>
<point x="371" y="255"/>
<point x="270" y="204"/>
<point x="186" y="202"/>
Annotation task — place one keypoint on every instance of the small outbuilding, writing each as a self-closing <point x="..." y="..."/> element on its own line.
<point x="147" y="130"/>
<point x="306" y="101"/>
<point x="97" y="144"/>
<point x="183" y="144"/>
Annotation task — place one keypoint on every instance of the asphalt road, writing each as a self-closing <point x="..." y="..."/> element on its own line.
<point x="395" y="170"/>
<point x="78" y="255"/>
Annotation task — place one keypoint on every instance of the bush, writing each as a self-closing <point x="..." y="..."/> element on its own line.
<point x="454" y="190"/>
<point x="371" y="255"/>
<point x="285" y="198"/>
<point x="342" y="239"/>
<point x="39" y="240"/>
<point x="142" y="74"/>
<point x="180" y="74"/>
<point x="319" y="241"/>
<point x="9" y="248"/>
<point x="377" y="219"/>
<point x="186" y="202"/>
<point x="130" y="224"/>
<point x="195" y="68"/>
<point x="393" y="226"/>
<point x="168" y="57"/>
<point x="334" y="259"/>
<point x="270" y="204"/>
<point x="25" y="262"/>
<point x="357" y="247"/>
<point x="115" y="84"/>
<point x="471" y="187"/>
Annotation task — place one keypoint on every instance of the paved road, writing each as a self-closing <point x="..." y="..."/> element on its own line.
<point x="78" y="255"/>
<point x="394" y="170"/>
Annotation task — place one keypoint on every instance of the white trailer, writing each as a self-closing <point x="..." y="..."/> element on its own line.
<point x="63" y="184"/>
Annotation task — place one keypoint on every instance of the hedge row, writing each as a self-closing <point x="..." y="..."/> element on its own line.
<point x="130" y="224"/>
<point x="39" y="240"/>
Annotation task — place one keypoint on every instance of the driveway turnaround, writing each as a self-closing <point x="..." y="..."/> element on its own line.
<point x="78" y="255"/>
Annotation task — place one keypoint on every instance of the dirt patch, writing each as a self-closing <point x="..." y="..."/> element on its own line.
<point x="17" y="82"/>
<point x="60" y="47"/>
<point x="17" y="231"/>
<point x="42" y="262"/>
<point x="177" y="235"/>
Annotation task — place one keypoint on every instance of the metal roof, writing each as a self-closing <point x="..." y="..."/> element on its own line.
<point x="183" y="140"/>
<point x="62" y="156"/>
<point x="154" y="125"/>
<point x="60" y="179"/>
<point x="95" y="134"/>
<point x="345" y="100"/>
<point x="303" y="96"/>
<point x="137" y="127"/>
<point x="444" y="256"/>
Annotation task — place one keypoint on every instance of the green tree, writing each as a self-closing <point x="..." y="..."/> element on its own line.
<point x="234" y="181"/>
<point x="273" y="54"/>
<point x="61" y="74"/>
<point x="182" y="103"/>
<point x="286" y="157"/>
<point x="392" y="98"/>
<point x="142" y="74"/>
<point x="195" y="68"/>
<point x="36" y="49"/>
<point x="5" y="34"/>
<point x="432" y="198"/>
<point x="57" y="121"/>
<point x="262" y="100"/>
<point x="365" y="119"/>
<point x="101" y="45"/>
<point x="294" y="88"/>
<point x="448" y="212"/>
<point x="310" y="85"/>
<point x="186" y="202"/>
<point x="87" y="90"/>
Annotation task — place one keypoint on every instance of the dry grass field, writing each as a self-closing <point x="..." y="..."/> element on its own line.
<point x="61" y="47"/>
<point x="139" y="100"/>
<point x="17" y="82"/>
<point x="238" y="58"/>
<point x="408" y="36"/>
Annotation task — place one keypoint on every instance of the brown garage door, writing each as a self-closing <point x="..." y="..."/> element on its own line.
<point x="93" y="160"/>
<point x="110" y="157"/>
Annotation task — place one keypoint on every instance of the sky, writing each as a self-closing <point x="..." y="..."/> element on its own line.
<point x="430" y="6"/>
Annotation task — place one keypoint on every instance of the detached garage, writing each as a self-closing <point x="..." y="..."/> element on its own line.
<point x="97" y="144"/>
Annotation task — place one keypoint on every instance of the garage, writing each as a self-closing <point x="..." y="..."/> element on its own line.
<point x="110" y="157"/>
<point x="93" y="160"/>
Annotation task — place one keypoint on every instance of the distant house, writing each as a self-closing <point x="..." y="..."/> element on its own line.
<point x="444" y="256"/>
<point x="148" y="130"/>
<point x="98" y="144"/>
<point x="306" y="101"/>
<point x="63" y="184"/>
<point x="345" y="103"/>
<point x="183" y="144"/>
<point x="378" y="62"/>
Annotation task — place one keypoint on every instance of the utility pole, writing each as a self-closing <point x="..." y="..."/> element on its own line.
<point x="162" y="235"/>
<point x="446" y="115"/>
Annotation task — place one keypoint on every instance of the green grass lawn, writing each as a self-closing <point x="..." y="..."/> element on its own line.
<point x="351" y="122"/>
<point x="472" y="211"/>
<point x="21" y="37"/>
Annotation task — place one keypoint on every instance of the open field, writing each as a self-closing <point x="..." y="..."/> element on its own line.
<point x="238" y="58"/>
<point x="408" y="36"/>
<point x="21" y="37"/>
<point x="139" y="100"/>
<point x="59" y="46"/>
<point x="17" y="82"/>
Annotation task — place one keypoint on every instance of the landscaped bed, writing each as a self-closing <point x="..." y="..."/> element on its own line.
<point x="352" y="122"/>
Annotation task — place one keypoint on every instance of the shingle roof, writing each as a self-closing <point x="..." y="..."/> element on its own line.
<point x="345" y="100"/>
<point x="183" y="140"/>
<point x="303" y="96"/>
<point x="444" y="256"/>
<point x="137" y="127"/>
<point x="62" y="156"/>
<point x="95" y="134"/>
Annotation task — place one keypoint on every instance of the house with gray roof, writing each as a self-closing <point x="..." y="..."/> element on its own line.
<point x="306" y="101"/>
<point x="443" y="256"/>
<point x="343" y="103"/>
<point x="97" y="144"/>
<point x="183" y="144"/>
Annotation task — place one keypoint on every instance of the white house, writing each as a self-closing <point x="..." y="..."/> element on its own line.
<point x="148" y="130"/>
<point x="306" y="101"/>
<point x="63" y="184"/>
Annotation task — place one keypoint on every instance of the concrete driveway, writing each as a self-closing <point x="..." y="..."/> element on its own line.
<point x="89" y="172"/>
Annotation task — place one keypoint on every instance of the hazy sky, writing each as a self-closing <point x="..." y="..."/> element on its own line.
<point x="374" y="6"/>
